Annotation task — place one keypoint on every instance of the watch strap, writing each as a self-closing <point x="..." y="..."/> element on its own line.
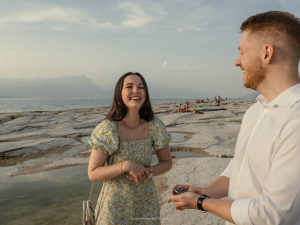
<point x="200" y="201"/>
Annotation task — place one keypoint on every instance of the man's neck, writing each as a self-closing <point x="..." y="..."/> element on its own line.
<point x="274" y="85"/>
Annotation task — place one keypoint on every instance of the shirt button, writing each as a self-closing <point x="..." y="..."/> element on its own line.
<point x="265" y="110"/>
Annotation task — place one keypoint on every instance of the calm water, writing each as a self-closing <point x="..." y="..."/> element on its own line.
<point x="53" y="197"/>
<point x="57" y="104"/>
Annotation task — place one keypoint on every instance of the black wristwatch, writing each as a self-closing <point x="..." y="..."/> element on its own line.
<point x="199" y="203"/>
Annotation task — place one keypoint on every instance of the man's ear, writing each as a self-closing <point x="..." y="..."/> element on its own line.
<point x="268" y="53"/>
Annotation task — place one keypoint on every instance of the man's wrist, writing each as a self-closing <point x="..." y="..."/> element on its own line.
<point x="200" y="201"/>
<point x="205" y="191"/>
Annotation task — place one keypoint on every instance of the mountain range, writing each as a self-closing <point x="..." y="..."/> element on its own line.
<point x="251" y="96"/>
<point x="80" y="87"/>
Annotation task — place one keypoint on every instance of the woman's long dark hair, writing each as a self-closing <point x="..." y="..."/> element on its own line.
<point x="119" y="110"/>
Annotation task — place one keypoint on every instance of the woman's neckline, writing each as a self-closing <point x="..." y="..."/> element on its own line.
<point x="119" y="134"/>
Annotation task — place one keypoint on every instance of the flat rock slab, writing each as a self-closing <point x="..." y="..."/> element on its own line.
<point x="66" y="162"/>
<point x="194" y="171"/>
<point x="18" y="148"/>
<point x="24" y="133"/>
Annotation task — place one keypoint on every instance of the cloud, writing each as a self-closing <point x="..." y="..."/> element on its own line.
<point x="136" y="17"/>
<point x="164" y="65"/>
<point x="283" y="4"/>
<point x="199" y="17"/>
<point x="12" y="53"/>
<point x="72" y="19"/>
<point x="186" y="67"/>
<point x="183" y="67"/>
<point x="38" y="15"/>
<point x="60" y="28"/>
<point x="189" y="28"/>
<point x="121" y="17"/>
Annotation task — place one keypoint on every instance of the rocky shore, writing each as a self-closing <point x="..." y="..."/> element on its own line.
<point x="32" y="142"/>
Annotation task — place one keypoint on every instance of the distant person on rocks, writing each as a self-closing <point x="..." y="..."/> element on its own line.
<point x="128" y="134"/>
<point x="262" y="181"/>
<point x="215" y="101"/>
<point x="219" y="100"/>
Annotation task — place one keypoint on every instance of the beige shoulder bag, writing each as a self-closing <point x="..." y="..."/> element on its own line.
<point x="88" y="206"/>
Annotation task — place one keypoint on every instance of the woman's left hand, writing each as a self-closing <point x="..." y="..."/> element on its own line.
<point x="130" y="177"/>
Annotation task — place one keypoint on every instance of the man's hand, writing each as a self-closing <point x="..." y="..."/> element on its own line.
<point x="187" y="200"/>
<point x="191" y="188"/>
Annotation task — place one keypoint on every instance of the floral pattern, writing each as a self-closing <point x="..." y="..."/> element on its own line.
<point x="123" y="200"/>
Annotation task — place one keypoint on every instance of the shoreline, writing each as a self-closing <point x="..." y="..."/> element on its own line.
<point x="50" y="141"/>
<point x="30" y="136"/>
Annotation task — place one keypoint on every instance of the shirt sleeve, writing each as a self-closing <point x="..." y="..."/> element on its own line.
<point x="105" y="138"/>
<point x="159" y="134"/>
<point x="280" y="201"/>
<point x="227" y="171"/>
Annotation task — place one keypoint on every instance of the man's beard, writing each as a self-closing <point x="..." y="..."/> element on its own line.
<point x="255" y="75"/>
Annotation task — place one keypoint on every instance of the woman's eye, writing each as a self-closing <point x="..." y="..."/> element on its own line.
<point x="142" y="87"/>
<point x="128" y="86"/>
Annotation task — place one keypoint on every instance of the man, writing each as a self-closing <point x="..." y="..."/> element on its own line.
<point x="262" y="181"/>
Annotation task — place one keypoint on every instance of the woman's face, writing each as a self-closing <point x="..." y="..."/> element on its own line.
<point x="133" y="92"/>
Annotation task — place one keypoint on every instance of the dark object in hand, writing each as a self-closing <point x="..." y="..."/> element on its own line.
<point x="179" y="190"/>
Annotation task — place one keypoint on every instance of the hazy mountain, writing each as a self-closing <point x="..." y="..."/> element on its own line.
<point x="251" y="96"/>
<point x="81" y="86"/>
<point x="61" y="87"/>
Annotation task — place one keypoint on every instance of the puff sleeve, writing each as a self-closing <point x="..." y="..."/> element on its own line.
<point x="159" y="134"/>
<point x="105" y="137"/>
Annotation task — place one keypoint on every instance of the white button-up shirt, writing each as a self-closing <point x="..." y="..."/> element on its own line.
<point x="265" y="171"/>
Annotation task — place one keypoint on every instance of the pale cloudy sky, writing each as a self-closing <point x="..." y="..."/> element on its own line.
<point x="179" y="43"/>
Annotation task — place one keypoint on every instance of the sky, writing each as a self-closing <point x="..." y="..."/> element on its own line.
<point x="177" y="43"/>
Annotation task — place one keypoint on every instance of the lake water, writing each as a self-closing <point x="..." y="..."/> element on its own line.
<point x="57" y="104"/>
<point x="54" y="197"/>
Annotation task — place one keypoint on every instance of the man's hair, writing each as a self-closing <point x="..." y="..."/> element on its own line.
<point x="280" y="26"/>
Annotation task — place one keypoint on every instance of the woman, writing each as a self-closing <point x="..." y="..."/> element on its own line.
<point x="130" y="131"/>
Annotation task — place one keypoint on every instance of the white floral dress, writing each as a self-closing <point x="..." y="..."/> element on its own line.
<point x="123" y="200"/>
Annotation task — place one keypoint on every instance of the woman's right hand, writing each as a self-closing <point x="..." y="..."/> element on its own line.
<point x="136" y="170"/>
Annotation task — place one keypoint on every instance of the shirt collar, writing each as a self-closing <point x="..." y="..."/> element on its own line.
<point x="288" y="98"/>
